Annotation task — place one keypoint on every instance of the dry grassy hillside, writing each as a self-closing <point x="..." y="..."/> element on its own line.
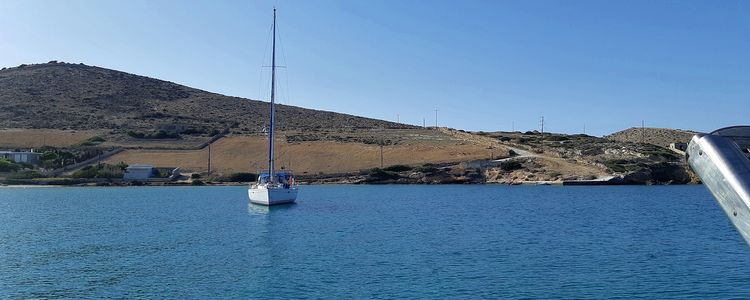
<point x="76" y="96"/>
<point x="656" y="136"/>
<point x="248" y="153"/>
<point x="36" y="138"/>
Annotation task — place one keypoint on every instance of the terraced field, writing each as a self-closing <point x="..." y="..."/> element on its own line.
<point x="332" y="154"/>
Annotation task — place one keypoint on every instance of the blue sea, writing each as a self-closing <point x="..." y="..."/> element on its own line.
<point x="373" y="242"/>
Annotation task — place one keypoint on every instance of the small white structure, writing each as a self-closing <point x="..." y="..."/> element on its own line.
<point x="21" y="157"/>
<point x="138" y="172"/>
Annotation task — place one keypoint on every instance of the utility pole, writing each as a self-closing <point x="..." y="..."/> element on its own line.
<point x="436" y="122"/>
<point x="424" y="124"/>
<point x="209" y="158"/>
<point x="382" y="141"/>
<point x="643" y="131"/>
<point x="542" y="140"/>
<point x="398" y="118"/>
<point x="381" y="155"/>
<point x="584" y="128"/>
<point x="542" y="122"/>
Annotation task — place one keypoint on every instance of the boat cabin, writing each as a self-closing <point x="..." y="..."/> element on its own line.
<point x="283" y="177"/>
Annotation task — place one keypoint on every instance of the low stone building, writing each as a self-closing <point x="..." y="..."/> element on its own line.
<point x="22" y="157"/>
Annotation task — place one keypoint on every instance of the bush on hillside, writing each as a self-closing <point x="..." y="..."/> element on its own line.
<point x="427" y="169"/>
<point x="161" y="134"/>
<point x="380" y="174"/>
<point x="511" y="165"/>
<point x="99" y="171"/>
<point x="243" y="177"/>
<point x="557" y="138"/>
<point x="397" y="168"/>
<point x="26" y="175"/>
<point x="7" y="165"/>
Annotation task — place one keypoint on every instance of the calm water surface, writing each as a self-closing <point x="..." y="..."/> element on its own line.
<point x="391" y="241"/>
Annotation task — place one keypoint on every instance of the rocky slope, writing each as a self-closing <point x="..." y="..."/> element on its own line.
<point x="581" y="157"/>
<point x="76" y="96"/>
<point x="656" y="136"/>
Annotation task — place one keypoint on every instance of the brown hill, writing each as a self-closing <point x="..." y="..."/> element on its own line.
<point x="88" y="110"/>
<point x="80" y="97"/>
<point x="656" y="136"/>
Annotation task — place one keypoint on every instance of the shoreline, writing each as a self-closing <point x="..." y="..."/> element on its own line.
<point x="209" y="184"/>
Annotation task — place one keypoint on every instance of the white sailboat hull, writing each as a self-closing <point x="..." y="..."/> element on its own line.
<point x="264" y="195"/>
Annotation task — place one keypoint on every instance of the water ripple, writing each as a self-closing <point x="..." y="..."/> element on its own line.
<point x="375" y="242"/>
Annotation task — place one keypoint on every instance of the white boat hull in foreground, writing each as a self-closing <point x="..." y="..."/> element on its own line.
<point x="265" y="195"/>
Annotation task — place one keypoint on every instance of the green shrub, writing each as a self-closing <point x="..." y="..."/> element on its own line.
<point x="86" y="172"/>
<point x="7" y="165"/>
<point x="65" y="181"/>
<point x="557" y="138"/>
<point x="511" y="165"/>
<point x="397" y="168"/>
<point x="99" y="171"/>
<point x="380" y="174"/>
<point x="622" y="165"/>
<point x="48" y="155"/>
<point x="161" y="134"/>
<point x="26" y="175"/>
<point x="194" y="131"/>
<point x="138" y="135"/>
<point x="243" y="177"/>
<point x="156" y="173"/>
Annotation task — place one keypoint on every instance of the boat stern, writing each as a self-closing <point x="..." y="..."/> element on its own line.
<point x="722" y="161"/>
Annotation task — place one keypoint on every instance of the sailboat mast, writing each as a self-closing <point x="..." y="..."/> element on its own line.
<point x="273" y="98"/>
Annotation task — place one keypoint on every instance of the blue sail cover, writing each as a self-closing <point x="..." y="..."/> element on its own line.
<point x="281" y="177"/>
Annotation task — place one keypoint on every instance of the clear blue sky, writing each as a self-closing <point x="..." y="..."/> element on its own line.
<point x="485" y="65"/>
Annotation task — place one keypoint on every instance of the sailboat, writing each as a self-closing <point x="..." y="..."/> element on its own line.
<point x="273" y="187"/>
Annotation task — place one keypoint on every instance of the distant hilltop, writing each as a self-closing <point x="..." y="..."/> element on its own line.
<point x="656" y="136"/>
<point x="59" y="95"/>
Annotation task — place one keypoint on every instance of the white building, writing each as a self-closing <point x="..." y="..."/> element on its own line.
<point x="138" y="172"/>
<point x="21" y="157"/>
